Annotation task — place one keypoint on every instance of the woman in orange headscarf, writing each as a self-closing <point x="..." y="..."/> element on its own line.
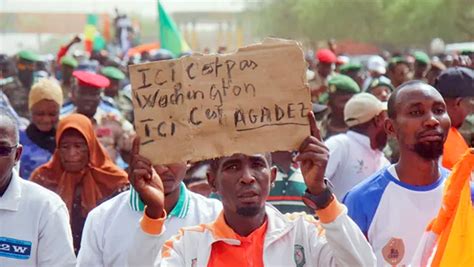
<point x="80" y="171"/>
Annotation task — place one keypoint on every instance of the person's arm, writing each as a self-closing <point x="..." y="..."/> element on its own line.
<point x="147" y="242"/>
<point x="148" y="239"/>
<point x="63" y="49"/>
<point x="345" y="245"/>
<point x="55" y="239"/>
<point x="91" y="252"/>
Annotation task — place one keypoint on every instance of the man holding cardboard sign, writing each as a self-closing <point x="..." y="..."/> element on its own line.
<point x="248" y="232"/>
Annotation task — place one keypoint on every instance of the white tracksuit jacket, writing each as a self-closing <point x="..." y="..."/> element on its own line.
<point x="291" y="240"/>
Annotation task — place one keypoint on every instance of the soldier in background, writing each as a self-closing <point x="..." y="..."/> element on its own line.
<point x="341" y="89"/>
<point x="17" y="90"/>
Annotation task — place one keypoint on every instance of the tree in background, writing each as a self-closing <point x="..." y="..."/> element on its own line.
<point x="383" y="22"/>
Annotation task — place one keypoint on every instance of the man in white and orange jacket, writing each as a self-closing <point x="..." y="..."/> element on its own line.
<point x="250" y="232"/>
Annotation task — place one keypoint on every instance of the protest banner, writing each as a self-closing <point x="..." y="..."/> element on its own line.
<point x="206" y="106"/>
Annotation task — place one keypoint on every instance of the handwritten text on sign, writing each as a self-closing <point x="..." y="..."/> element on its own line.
<point x="206" y="106"/>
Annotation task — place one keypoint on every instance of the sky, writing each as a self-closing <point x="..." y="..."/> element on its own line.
<point x="143" y="7"/>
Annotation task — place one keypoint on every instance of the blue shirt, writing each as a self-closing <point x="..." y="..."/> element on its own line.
<point x="393" y="215"/>
<point x="32" y="157"/>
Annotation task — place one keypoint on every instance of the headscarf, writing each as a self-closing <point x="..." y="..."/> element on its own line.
<point x="44" y="89"/>
<point x="99" y="179"/>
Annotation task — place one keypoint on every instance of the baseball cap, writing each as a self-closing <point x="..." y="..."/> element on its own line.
<point x="362" y="108"/>
<point x="376" y="63"/>
<point x="456" y="82"/>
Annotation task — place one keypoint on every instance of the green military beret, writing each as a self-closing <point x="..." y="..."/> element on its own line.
<point x="396" y="60"/>
<point x="379" y="82"/>
<point x="69" y="61"/>
<point x="421" y="57"/>
<point x="113" y="73"/>
<point x="28" y="55"/>
<point x="343" y="84"/>
<point x="351" y="66"/>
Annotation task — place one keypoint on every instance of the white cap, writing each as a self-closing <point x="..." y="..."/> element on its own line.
<point x="362" y="108"/>
<point x="376" y="63"/>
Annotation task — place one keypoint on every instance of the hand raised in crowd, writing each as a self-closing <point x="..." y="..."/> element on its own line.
<point x="76" y="39"/>
<point x="313" y="156"/>
<point x="146" y="182"/>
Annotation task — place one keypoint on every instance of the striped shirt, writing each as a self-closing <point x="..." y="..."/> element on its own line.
<point x="287" y="193"/>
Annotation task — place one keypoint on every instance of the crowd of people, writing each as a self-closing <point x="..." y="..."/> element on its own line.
<point x="359" y="191"/>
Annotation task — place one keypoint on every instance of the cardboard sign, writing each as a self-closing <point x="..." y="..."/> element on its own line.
<point x="206" y="106"/>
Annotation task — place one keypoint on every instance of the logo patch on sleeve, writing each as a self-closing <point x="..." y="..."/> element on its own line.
<point x="14" y="248"/>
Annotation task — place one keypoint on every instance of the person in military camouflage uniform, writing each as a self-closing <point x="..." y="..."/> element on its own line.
<point x="353" y="70"/>
<point x="398" y="71"/>
<point x="68" y="65"/>
<point x="341" y="89"/>
<point x="289" y="186"/>
<point x="18" y="89"/>
<point x="381" y="89"/>
<point x="421" y="66"/>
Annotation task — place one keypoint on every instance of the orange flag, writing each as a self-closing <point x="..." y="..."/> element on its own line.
<point x="454" y="225"/>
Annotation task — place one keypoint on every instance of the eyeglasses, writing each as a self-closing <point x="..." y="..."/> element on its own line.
<point x="5" y="151"/>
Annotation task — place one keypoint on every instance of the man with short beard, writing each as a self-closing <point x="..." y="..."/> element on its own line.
<point x="394" y="206"/>
<point x="248" y="232"/>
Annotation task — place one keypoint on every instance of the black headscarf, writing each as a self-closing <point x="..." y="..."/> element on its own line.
<point x="44" y="140"/>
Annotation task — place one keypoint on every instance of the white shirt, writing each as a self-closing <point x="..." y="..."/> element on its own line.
<point x="394" y="215"/>
<point x="34" y="227"/>
<point x="293" y="240"/>
<point x="110" y="227"/>
<point x="351" y="160"/>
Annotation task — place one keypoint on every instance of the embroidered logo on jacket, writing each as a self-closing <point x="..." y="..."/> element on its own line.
<point x="300" y="259"/>
<point x="14" y="248"/>
<point x="394" y="251"/>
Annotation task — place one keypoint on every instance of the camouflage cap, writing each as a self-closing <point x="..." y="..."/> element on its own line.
<point x="343" y="84"/>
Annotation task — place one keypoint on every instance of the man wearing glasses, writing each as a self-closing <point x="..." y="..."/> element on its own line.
<point x="34" y="222"/>
<point x="456" y="85"/>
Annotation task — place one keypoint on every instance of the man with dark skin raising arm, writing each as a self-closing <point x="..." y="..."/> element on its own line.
<point x="249" y="232"/>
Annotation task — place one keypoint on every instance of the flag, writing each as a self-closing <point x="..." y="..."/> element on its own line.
<point x="449" y="240"/>
<point x="93" y="40"/>
<point x="90" y="31"/>
<point x="170" y="37"/>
